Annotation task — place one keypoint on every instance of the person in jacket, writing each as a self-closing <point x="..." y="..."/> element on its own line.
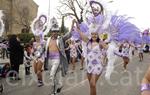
<point x="56" y="56"/>
<point x="16" y="55"/>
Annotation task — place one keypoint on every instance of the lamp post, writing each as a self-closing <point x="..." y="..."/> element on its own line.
<point x="49" y="7"/>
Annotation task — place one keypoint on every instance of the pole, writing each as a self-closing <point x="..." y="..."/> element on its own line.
<point x="49" y="7"/>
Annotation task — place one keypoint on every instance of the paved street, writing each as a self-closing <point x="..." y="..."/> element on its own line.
<point x="121" y="83"/>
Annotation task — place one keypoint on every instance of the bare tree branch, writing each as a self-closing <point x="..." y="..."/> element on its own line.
<point x="67" y="4"/>
<point x="71" y="6"/>
<point x="65" y="14"/>
<point x="79" y="5"/>
<point x="68" y="14"/>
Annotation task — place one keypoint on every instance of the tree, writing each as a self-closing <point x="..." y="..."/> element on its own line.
<point x="75" y="8"/>
<point x="23" y="13"/>
<point x="63" y="29"/>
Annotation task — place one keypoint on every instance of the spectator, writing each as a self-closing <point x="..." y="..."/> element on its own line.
<point x="28" y="58"/>
<point x="16" y="54"/>
<point x="146" y="49"/>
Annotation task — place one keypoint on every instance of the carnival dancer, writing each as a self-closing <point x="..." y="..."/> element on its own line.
<point x="55" y="54"/>
<point x="74" y="47"/>
<point x="140" y="52"/>
<point x="145" y="84"/>
<point x="73" y="53"/>
<point x="75" y="35"/>
<point x="38" y="47"/>
<point x="96" y="16"/>
<point x="79" y="53"/>
<point x="94" y="57"/>
<point x="125" y="54"/>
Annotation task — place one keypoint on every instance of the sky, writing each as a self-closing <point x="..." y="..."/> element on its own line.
<point x="138" y="9"/>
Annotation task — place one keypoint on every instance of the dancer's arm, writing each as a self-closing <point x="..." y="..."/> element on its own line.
<point x="103" y="45"/>
<point x="68" y="35"/>
<point x="83" y="37"/>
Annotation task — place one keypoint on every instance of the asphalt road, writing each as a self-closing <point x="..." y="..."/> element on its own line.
<point x="121" y="83"/>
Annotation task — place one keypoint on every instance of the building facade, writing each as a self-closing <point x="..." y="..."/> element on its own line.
<point x="18" y="14"/>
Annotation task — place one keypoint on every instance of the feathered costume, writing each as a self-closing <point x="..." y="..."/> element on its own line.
<point x="117" y="27"/>
<point x="38" y="27"/>
<point x="146" y="36"/>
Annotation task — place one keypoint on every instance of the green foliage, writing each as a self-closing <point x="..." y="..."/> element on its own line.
<point x="24" y="37"/>
<point x="63" y="28"/>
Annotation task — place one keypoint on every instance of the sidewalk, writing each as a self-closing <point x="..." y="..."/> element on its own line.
<point x="3" y="61"/>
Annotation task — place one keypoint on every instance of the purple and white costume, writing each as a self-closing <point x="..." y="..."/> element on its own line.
<point x="73" y="51"/>
<point x="125" y="50"/>
<point x="94" y="60"/>
<point x="38" y="52"/>
<point x="145" y="87"/>
<point x="140" y="49"/>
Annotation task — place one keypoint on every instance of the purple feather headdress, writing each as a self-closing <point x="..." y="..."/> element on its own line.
<point x="121" y="29"/>
<point x="83" y="27"/>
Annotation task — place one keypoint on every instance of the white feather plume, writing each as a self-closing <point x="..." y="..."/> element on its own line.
<point x="111" y="59"/>
<point x="35" y="31"/>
